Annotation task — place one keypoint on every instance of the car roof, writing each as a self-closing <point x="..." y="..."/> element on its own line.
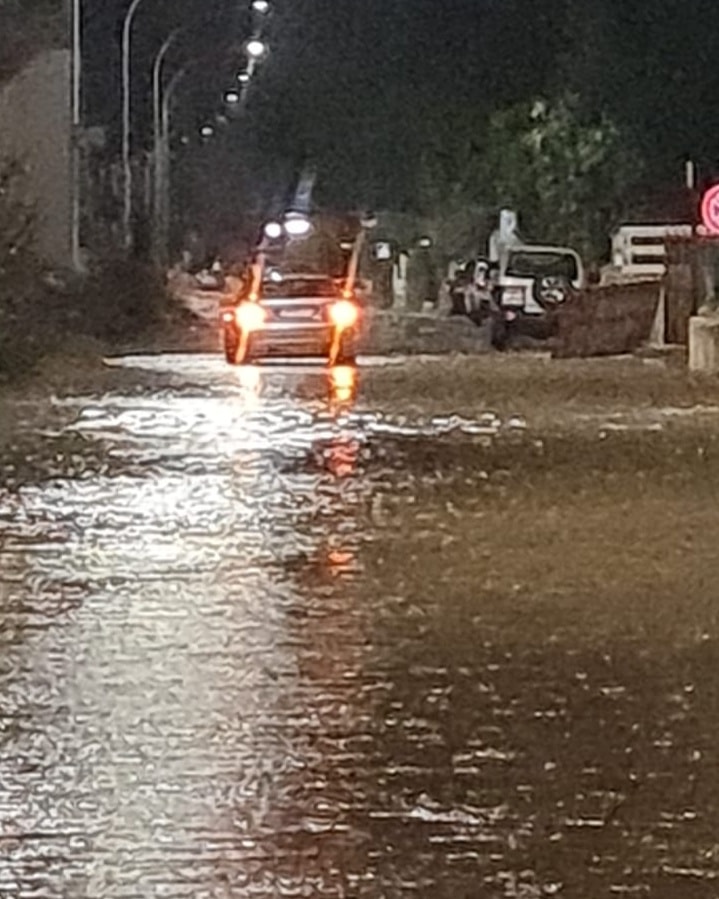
<point x="301" y="276"/>
<point x="544" y="249"/>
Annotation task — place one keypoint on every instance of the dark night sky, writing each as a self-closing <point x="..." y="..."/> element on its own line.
<point x="359" y="86"/>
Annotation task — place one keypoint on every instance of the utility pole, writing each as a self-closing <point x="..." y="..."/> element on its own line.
<point x="75" y="29"/>
<point x="127" y="122"/>
<point x="160" y="152"/>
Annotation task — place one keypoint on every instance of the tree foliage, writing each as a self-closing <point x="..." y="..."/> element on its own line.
<point x="25" y="28"/>
<point x="19" y="282"/>
<point x="40" y="309"/>
<point x="566" y="173"/>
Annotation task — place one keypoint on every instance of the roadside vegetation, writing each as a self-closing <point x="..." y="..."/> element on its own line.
<point x="42" y="311"/>
<point x="25" y="28"/>
<point x="572" y="173"/>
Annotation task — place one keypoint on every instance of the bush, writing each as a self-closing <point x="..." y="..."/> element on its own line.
<point x="122" y="300"/>
<point x="25" y="29"/>
<point x="25" y="333"/>
<point x="39" y="313"/>
<point x="21" y="286"/>
<point x="119" y="301"/>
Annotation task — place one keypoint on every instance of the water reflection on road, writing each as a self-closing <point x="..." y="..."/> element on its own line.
<point x="250" y="651"/>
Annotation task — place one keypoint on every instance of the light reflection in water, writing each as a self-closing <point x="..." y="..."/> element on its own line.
<point x="342" y="384"/>
<point x="200" y="690"/>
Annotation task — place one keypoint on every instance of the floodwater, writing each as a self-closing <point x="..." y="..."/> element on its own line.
<point x="259" y="637"/>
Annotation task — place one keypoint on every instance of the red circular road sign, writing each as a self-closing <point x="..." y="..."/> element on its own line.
<point x="710" y="210"/>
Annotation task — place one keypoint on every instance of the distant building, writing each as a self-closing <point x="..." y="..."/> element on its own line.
<point x="35" y="129"/>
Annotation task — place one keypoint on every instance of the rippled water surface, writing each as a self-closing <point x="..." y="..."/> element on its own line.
<point x="258" y="638"/>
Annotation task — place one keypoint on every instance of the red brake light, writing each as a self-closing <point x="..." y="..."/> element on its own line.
<point x="344" y="314"/>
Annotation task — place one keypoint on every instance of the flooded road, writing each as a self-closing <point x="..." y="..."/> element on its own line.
<point x="263" y="635"/>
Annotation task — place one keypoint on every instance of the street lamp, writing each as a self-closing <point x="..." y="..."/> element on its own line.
<point x="297" y="225"/>
<point x="76" y="114"/>
<point x="256" y="49"/>
<point x="126" y="119"/>
<point x="158" y="156"/>
<point x="162" y="149"/>
<point x="273" y="230"/>
<point x="157" y="81"/>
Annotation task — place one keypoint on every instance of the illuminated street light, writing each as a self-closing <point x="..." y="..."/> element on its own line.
<point x="207" y="131"/>
<point x="297" y="225"/>
<point x="256" y="49"/>
<point x="232" y="98"/>
<point x="244" y="77"/>
<point x="261" y="6"/>
<point x="273" y="230"/>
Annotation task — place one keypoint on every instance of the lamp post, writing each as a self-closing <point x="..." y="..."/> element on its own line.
<point x="75" y="9"/>
<point x="126" y="121"/>
<point x="159" y="157"/>
<point x="162" y="151"/>
<point x="162" y="145"/>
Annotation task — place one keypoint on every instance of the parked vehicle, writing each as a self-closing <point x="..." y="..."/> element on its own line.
<point x="471" y="290"/>
<point x="533" y="283"/>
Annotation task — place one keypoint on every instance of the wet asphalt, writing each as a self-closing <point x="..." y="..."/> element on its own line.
<point x="260" y="636"/>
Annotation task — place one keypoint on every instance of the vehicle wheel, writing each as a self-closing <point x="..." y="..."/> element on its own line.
<point x="498" y="332"/>
<point x="551" y="292"/>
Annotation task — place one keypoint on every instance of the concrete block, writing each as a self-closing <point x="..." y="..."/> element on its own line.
<point x="704" y="344"/>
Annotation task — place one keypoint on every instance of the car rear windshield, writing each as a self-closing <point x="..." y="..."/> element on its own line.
<point x="542" y="265"/>
<point x="300" y="287"/>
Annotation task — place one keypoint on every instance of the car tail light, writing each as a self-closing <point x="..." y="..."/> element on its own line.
<point x="250" y="316"/>
<point x="344" y="314"/>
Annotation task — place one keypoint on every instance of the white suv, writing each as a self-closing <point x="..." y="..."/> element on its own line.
<point x="533" y="282"/>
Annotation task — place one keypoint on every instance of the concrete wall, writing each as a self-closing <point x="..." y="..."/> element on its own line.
<point x="607" y="321"/>
<point x="35" y="128"/>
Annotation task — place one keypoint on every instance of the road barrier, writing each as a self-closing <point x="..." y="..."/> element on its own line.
<point x="387" y="332"/>
<point x="607" y="321"/>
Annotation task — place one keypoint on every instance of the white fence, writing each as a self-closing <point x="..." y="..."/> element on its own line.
<point x="639" y="251"/>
